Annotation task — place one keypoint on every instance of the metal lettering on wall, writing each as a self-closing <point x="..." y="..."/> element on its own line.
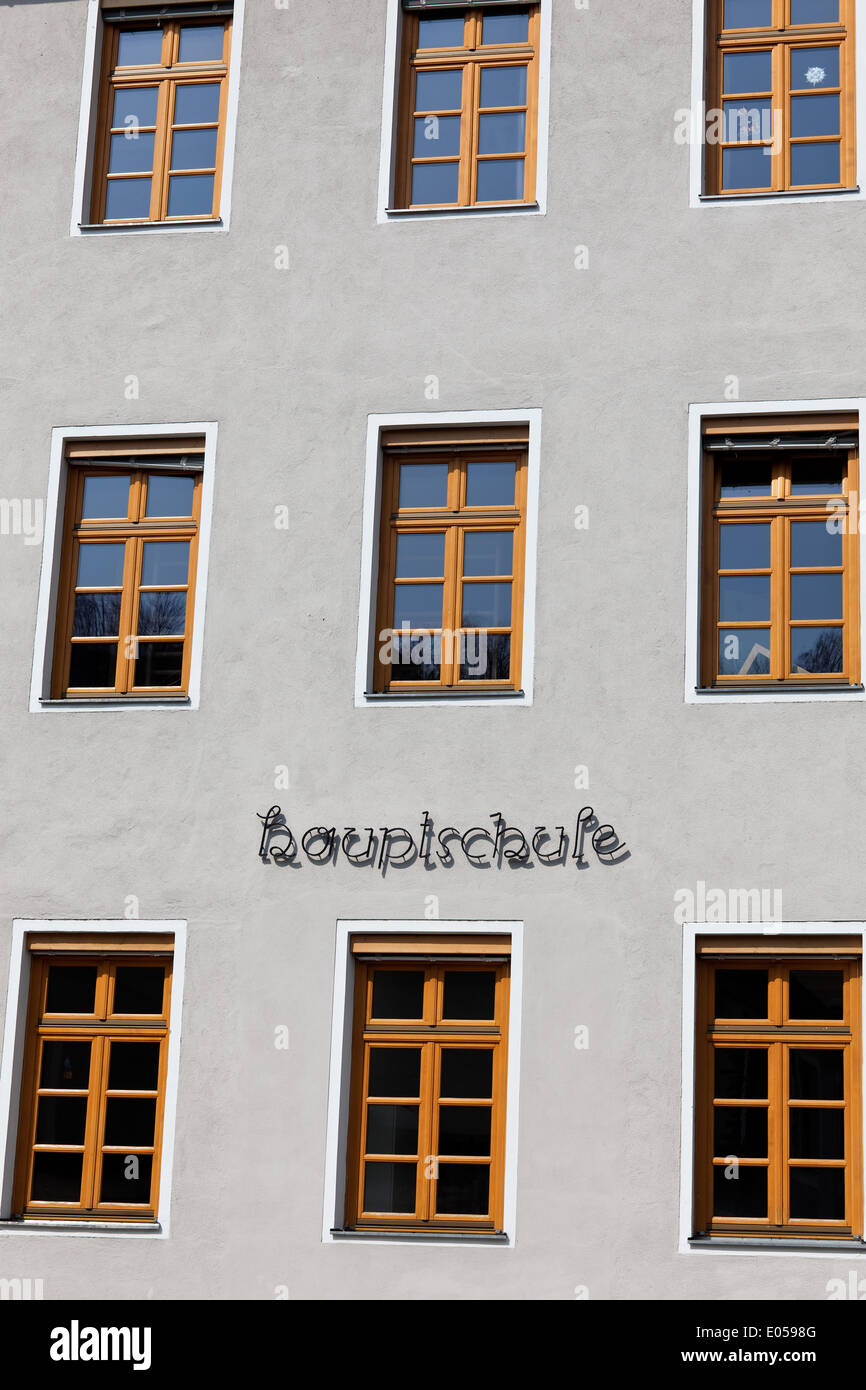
<point x="396" y="846"/>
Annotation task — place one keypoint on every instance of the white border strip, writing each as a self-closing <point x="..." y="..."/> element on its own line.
<point x="369" y="564"/>
<point x="691" y="931"/>
<point x="11" y="1064"/>
<point x="693" y="555"/>
<point x="51" y="546"/>
<point x="339" y="1081"/>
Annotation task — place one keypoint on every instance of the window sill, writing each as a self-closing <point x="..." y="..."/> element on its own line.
<point x="494" y="209"/>
<point x="855" y="1246"/>
<point x="192" y="224"/>
<point x="398" y="696"/>
<point x="120" y="702"/>
<point x="779" y="195"/>
<point x="136" y="1228"/>
<point x="485" y="1237"/>
<point x="780" y="689"/>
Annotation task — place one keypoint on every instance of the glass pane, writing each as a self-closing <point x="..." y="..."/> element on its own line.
<point x="93" y="665"/>
<point x="439" y="91"/>
<point x="395" y="1071"/>
<point x="392" y="1129"/>
<point x="815" y="163"/>
<point x="814" y="11"/>
<point x="159" y="663"/>
<point x="488" y="552"/>
<point x="815" y="115"/>
<point x="745" y="547"/>
<point x="744" y="651"/>
<point x="194" y="149"/>
<point x="160" y="614"/>
<point x="434" y="183"/>
<point x="811" y="477"/>
<point x="503" y="86"/>
<point x="739" y="1130"/>
<point x="56" y="1177"/>
<point x="463" y="1189"/>
<point x="71" y="989"/>
<point x="416" y="657"/>
<point x="740" y="1073"/>
<point x="812" y="544"/>
<point x="486" y="605"/>
<point x="420" y="556"/>
<point x="503" y="134"/>
<point x="499" y="180"/>
<point x="464" y="1130"/>
<point x="748" y="121"/>
<point x="100" y="566"/>
<point x="816" y="1074"/>
<point x="441" y="33"/>
<point x="130" y="1121"/>
<point x="748" y="14"/>
<point x="197" y="103"/>
<point x="817" y="1194"/>
<point x="506" y="28"/>
<point x="423" y="484"/>
<point x="398" y="994"/>
<point x="490" y="484"/>
<point x="137" y="46"/>
<point x="748" y="72"/>
<point x="125" y="198"/>
<point x="131" y="153"/>
<point x="390" y="1187"/>
<point x="135" y="106"/>
<point x="419" y="605"/>
<point x="817" y="1133"/>
<point x="816" y="650"/>
<point x="106" y="496"/>
<point x="486" y="656"/>
<point x="190" y="195"/>
<point x="165" y="562"/>
<point x="746" y="166"/>
<point x="816" y="596"/>
<point x="200" y="43"/>
<point x="741" y="993"/>
<point x="134" y="1066"/>
<point x="60" y="1120"/>
<point x="138" y="989"/>
<point x="467" y="1073"/>
<point x="746" y="480"/>
<point x="744" y="598"/>
<point x="469" y="994"/>
<point x="814" y="67"/>
<point x="815" y="994"/>
<point x="65" y="1065"/>
<point x="169" y="496"/>
<point x="436" y="136"/>
<point x="126" y="1178"/>
<point x="744" y="1195"/>
<point x="96" y="615"/>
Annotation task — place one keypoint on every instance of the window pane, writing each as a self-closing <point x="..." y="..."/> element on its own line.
<point x="817" y="163"/>
<point x="814" y="11"/>
<point x="439" y="91"/>
<point x="503" y="86"/>
<point x="200" y="43"/>
<point x="415" y="657"/>
<point x="469" y="994"/>
<point x="744" y="1195"/>
<point x="134" y="1066"/>
<point x="93" y="665"/>
<point x="441" y="33"/>
<point x="169" y="496"/>
<point x="159" y="663"/>
<point x="744" y="651"/>
<point x="423" y="484"/>
<point x="748" y="72"/>
<point x="745" y="547"/>
<point x="816" y="650"/>
<point x="390" y="1187"/>
<point x="741" y="993"/>
<point x="748" y="121"/>
<point x="96" y="615"/>
<point x="436" y="136"/>
<point x="138" y="989"/>
<point x="746" y="480"/>
<point x="126" y="1178"/>
<point x="434" y="183"/>
<point x="65" y="1065"/>
<point x="127" y="198"/>
<point x="746" y="166"/>
<point x="814" y="67"/>
<point x="420" y="556"/>
<point x="486" y="656"/>
<point x="71" y="989"/>
<point x="811" y="477"/>
<point x="398" y="994"/>
<point x="197" y="103"/>
<point x="418" y="605"/>
<point x="56" y="1177"/>
<point x="499" y="180"/>
<point x="815" y="115"/>
<point x="165" y="562"/>
<point x="740" y="1130"/>
<point x="61" y="1120"/>
<point x="392" y="1129"/>
<point x="812" y="544"/>
<point x="467" y="1073"/>
<point x="511" y="27"/>
<point x="395" y="1071"/>
<point x="740" y="1073"/>
<point x="490" y="484"/>
<point x="816" y="1074"/>
<point x="816" y="596"/>
<point x="815" y="994"/>
<point x="817" y="1133"/>
<point x="137" y="46"/>
<point x="161" y="614"/>
<point x="130" y="1121"/>
<point x="744" y="598"/>
<point x="100" y="566"/>
<point x="503" y="134"/>
<point x="748" y="14"/>
<point x="817" y="1194"/>
<point x="463" y="1189"/>
<point x="488" y="552"/>
<point x="486" y="605"/>
<point x="464" y="1130"/>
<point x="106" y="496"/>
<point x="135" y="106"/>
<point x="190" y="195"/>
<point x="131" y="153"/>
<point x="194" y="149"/>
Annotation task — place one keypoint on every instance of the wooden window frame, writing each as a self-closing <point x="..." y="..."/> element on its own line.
<point x="470" y="58"/>
<point x="165" y="76"/>
<point x="780" y="509"/>
<point x="780" y="38"/>
<point x="777" y="1034"/>
<point x="457" y="449"/>
<point x="431" y="1033"/>
<point x="84" y="460"/>
<point x="100" y="1029"/>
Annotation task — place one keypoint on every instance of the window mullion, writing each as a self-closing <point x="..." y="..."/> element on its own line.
<point x="126" y="652"/>
<point x="430" y="1062"/>
<point x="95" y="1109"/>
<point x="162" y="150"/>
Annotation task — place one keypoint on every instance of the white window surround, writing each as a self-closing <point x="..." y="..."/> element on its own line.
<point x="11" y="1065"/>
<point x="691" y="932"/>
<point x="40" y="684"/>
<point x="693" y="555"/>
<point x="388" y="155"/>
<point x="340" y="1076"/>
<point x="369" y="554"/>
<point x="80" y="224"/>
<point x="698" y="125"/>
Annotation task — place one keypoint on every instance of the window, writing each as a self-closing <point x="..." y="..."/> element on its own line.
<point x="781" y="84"/>
<point x="429" y="1056"/>
<point x="778" y="1137"/>
<point x="467" y="133"/>
<point x="128" y="568"/>
<point x="93" y="1088"/>
<point x="162" y="123"/>
<point x="780" y="590"/>
<point x="452" y="544"/>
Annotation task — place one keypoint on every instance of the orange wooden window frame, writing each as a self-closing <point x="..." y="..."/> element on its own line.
<point x="430" y="1034"/>
<point x="779" y="39"/>
<point x="100" y="1029"/>
<point x="165" y="76"/>
<point x="133" y="532"/>
<point x="469" y="59"/>
<point x="778" y="1033"/>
